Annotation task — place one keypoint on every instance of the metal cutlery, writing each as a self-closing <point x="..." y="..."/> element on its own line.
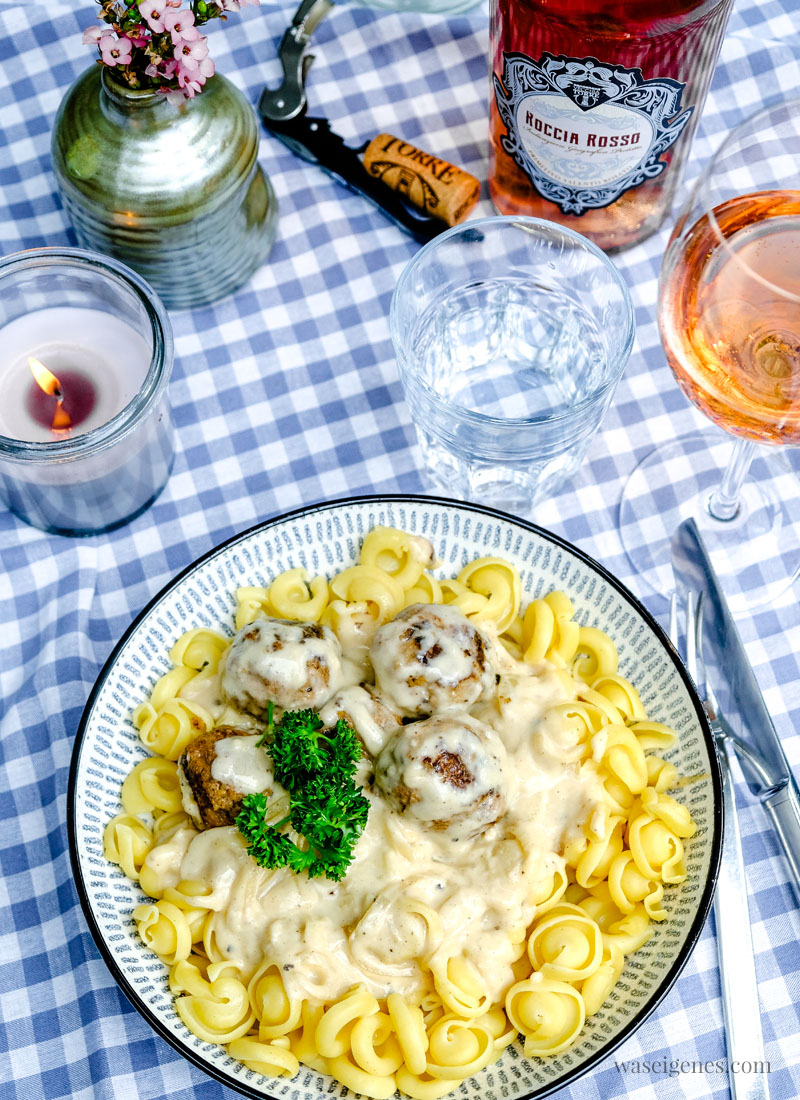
<point x="284" y="112"/>
<point x="757" y="744"/>
<point x="738" y="979"/>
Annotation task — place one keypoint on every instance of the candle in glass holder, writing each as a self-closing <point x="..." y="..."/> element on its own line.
<point x="98" y="360"/>
<point x="85" y="357"/>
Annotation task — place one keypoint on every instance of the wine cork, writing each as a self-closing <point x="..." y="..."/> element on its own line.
<point x="435" y="186"/>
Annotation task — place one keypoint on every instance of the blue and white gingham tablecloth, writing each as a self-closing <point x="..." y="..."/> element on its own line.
<point x="285" y="394"/>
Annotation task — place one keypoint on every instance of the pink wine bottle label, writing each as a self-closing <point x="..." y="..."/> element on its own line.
<point x="584" y="131"/>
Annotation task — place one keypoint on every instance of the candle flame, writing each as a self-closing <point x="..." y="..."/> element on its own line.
<point x="61" y="419"/>
<point x="45" y="379"/>
<point x="48" y="382"/>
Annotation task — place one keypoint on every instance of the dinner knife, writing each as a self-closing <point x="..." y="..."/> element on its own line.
<point x="759" y="750"/>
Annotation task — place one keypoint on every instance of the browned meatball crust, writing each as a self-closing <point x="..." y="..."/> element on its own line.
<point x="447" y="772"/>
<point x="294" y="665"/>
<point x="430" y="658"/>
<point x="215" y="801"/>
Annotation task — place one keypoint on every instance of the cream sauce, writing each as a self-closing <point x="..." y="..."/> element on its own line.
<point x="355" y="628"/>
<point x="275" y="661"/>
<point x="411" y="891"/>
<point x="421" y="550"/>
<point x="425" y="660"/>
<point x="371" y="720"/>
<point x="409" y="763"/>
<point x="239" y="762"/>
<point x="204" y="690"/>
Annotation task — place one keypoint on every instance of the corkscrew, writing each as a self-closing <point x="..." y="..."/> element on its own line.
<point x="404" y="191"/>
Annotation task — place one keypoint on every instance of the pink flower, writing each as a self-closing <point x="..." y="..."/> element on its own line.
<point x="190" y="54"/>
<point x="152" y="69"/>
<point x="153" y="12"/>
<point x="91" y="36"/>
<point x="180" y="25"/>
<point x="189" y="82"/>
<point x="115" y="51"/>
<point x="138" y="36"/>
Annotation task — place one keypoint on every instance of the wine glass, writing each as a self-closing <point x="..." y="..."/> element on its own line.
<point x="729" y="316"/>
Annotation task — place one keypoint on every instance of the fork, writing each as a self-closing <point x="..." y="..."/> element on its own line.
<point x="745" y="1043"/>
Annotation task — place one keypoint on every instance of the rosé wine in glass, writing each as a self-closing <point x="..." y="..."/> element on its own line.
<point x="730" y="317"/>
<point x="729" y="314"/>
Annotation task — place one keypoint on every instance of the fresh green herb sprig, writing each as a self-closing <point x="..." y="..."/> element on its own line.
<point x="302" y="749"/>
<point x="316" y="766"/>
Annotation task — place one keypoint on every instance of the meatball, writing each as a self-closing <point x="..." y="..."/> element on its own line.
<point x="430" y="658"/>
<point x="447" y="772"/>
<point x="294" y="665"/>
<point x="370" y="717"/>
<point x="218" y="769"/>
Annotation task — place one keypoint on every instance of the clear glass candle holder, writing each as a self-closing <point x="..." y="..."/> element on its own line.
<point x="511" y="334"/>
<point x="106" y="339"/>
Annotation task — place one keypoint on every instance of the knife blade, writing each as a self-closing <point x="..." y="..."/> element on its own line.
<point x="759" y="750"/>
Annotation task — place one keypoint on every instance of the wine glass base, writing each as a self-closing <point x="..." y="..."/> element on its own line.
<point x="756" y="554"/>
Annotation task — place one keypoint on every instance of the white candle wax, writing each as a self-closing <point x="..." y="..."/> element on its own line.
<point x="90" y="342"/>
<point x="93" y="446"/>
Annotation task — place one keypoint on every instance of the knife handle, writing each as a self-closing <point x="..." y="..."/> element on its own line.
<point x="737" y="963"/>
<point x="312" y="139"/>
<point x="784" y="809"/>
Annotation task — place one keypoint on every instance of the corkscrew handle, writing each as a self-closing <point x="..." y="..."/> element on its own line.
<point x="313" y="140"/>
<point x="421" y="193"/>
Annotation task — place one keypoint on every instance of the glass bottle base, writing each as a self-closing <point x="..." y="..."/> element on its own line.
<point x="610" y="229"/>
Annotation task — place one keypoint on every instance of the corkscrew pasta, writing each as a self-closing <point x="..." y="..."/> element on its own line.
<point x="415" y="971"/>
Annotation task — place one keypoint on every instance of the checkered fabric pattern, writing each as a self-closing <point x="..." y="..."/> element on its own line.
<point x="284" y="394"/>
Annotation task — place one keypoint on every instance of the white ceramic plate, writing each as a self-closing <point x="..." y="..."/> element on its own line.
<point x="326" y="538"/>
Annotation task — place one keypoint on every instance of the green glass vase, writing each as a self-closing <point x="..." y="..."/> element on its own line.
<point x="173" y="190"/>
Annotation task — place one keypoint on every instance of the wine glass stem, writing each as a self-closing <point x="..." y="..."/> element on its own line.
<point x="723" y="504"/>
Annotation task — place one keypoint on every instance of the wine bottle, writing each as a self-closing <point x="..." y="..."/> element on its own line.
<point x="594" y="105"/>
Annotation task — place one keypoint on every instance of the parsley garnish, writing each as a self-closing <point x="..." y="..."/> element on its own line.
<point x="316" y="766"/>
